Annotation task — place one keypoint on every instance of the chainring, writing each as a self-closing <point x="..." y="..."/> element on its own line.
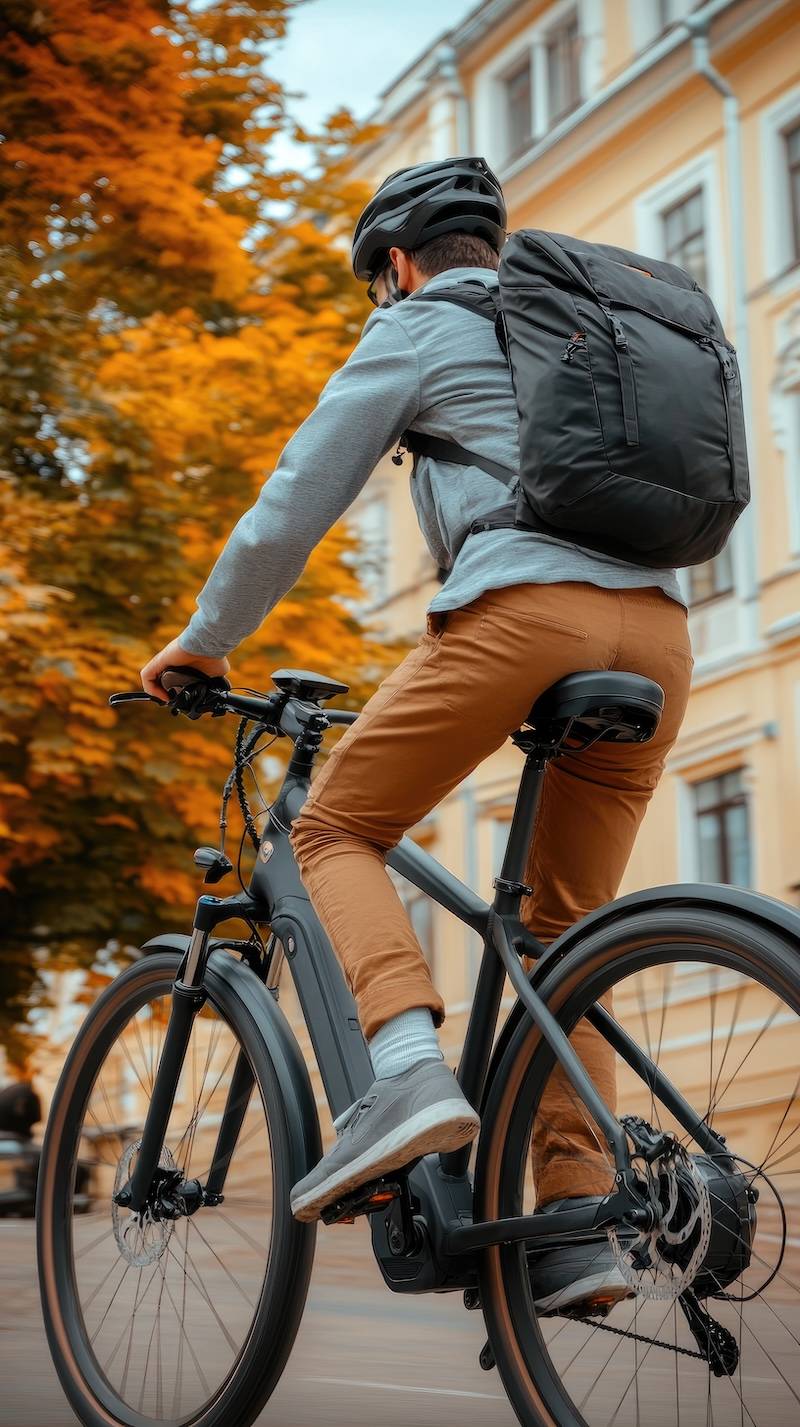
<point x="661" y="1263"/>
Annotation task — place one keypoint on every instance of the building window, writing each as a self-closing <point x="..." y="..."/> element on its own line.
<point x="779" y="164"/>
<point x="563" y="70"/>
<point x="722" y="822"/>
<point x="373" y="559"/>
<point x="792" y="142"/>
<point x="685" y="235"/>
<point x="519" y="108"/>
<point x="714" y="578"/>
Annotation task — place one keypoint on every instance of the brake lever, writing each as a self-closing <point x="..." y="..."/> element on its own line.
<point x="126" y="698"/>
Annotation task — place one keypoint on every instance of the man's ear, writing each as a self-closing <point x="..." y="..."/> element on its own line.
<point x="409" y="277"/>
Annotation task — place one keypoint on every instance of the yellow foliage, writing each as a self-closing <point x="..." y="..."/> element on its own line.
<point x="161" y="336"/>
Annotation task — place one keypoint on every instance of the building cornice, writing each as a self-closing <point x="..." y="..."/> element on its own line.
<point x="674" y="47"/>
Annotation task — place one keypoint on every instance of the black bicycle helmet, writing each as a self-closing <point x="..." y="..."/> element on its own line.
<point x="417" y="204"/>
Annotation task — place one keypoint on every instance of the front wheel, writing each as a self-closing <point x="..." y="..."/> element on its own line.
<point x="714" y="1001"/>
<point x="189" y="1319"/>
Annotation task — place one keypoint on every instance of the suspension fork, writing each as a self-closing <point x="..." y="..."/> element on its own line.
<point x="188" y="997"/>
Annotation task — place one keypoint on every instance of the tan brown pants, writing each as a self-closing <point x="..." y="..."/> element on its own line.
<point x="469" y="682"/>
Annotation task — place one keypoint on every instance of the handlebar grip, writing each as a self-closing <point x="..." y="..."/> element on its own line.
<point x="180" y="676"/>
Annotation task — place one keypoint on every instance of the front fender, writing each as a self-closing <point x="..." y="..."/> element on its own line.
<point x="290" y="1068"/>
<point x="179" y="941"/>
<point x="624" y="912"/>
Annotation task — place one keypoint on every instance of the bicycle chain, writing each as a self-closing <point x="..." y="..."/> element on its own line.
<point x="639" y="1337"/>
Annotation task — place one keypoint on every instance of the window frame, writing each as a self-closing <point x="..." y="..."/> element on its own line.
<point x="700" y="173"/>
<point x="553" y="37"/>
<point x="785" y="418"/>
<point x="490" y="123"/>
<point x="524" y="61"/>
<point x="677" y="207"/>
<point x="779" y="246"/>
<point x="718" y="811"/>
<point x="703" y="601"/>
<point x="793" y="188"/>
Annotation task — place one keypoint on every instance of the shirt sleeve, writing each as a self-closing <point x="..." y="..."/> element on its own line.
<point x="361" y="413"/>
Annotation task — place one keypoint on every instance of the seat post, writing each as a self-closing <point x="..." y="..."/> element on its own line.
<point x="510" y="885"/>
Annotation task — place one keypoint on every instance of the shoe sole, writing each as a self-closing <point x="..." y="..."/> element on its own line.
<point x="596" y="1290"/>
<point x="446" y="1126"/>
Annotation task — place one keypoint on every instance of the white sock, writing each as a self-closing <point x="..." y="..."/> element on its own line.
<point x="404" y="1041"/>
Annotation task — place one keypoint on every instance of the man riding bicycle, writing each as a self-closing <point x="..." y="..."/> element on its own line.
<point x="519" y="610"/>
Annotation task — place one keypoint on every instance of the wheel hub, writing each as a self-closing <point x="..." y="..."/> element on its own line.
<point x="141" y="1237"/>
<point x="662" y="1261"/>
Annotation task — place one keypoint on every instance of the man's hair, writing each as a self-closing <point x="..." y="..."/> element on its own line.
<point x="454" y="250"/>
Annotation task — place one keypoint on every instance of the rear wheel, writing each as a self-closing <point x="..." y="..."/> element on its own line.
<point x="715" y="1004"/>
<point x="187" y="1320"/>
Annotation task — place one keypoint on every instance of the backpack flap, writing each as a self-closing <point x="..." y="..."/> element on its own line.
<point x="631" y="428"/>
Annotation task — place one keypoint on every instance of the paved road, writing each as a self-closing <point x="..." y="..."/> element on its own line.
<point x="367" y="1358"/>
<point x="358" y="1350"/>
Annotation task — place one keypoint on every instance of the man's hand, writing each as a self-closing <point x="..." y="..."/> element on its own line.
<point x="172" y="654"/>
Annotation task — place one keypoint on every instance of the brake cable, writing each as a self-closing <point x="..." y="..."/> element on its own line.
<point x="241" y="756"/>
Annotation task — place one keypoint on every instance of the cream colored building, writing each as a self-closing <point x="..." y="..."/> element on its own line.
<point x="599" y="123"/>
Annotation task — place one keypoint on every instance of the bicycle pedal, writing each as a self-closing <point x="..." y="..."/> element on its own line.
<point x="367" y="1199"/>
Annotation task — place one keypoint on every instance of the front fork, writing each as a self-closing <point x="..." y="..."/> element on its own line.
<point x="188" y="997"/>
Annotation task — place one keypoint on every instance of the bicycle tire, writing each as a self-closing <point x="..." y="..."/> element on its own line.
<point x="591" y="968"/>
<point x="264" y="1353"/>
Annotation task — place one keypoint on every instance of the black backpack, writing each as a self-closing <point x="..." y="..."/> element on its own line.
<point x="631" y="425"/>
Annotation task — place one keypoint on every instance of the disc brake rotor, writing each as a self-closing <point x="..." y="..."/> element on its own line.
<point x="141" y="1239"/>
<point x="663" y="1262"/>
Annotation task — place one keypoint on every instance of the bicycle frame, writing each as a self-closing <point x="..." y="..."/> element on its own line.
<point x="440" y="1189"/>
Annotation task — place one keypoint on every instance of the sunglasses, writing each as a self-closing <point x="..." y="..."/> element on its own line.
<point x="372" y="289"/>
<point x="393" y="293"/>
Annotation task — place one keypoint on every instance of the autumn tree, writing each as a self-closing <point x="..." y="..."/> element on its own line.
<point x="170" y="307"/>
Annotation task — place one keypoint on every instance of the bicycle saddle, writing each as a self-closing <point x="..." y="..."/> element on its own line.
<point x="626" y="707"/>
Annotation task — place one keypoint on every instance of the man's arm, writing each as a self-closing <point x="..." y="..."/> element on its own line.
<point x="361" y="413"/>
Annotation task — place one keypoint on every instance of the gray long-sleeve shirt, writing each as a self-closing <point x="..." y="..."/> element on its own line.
<point x="439" y="369"/>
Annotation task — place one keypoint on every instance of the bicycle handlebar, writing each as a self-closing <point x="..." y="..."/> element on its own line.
<point x="281" y="713"/>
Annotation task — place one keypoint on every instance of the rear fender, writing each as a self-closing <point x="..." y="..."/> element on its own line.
<point x="637" y="913"/>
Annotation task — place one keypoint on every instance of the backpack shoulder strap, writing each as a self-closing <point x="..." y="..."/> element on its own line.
<point x="419" y="444"/>
<point x="484" y="302"/>
<point x="474" y="296"/>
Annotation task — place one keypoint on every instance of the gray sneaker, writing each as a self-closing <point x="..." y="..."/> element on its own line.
<point x="397" y="1120"/>
<point x="580" y="1276"/>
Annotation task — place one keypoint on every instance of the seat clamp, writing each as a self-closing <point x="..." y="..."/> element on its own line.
<point x="517" y="889"/>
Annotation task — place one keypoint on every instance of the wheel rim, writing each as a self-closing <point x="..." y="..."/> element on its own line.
<point x="580" y="1373"/>
<point x="158" y="1320"/>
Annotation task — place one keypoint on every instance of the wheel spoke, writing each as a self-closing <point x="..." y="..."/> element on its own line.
<point x="723" y="1038"/>
<point x="165" y="1309"/>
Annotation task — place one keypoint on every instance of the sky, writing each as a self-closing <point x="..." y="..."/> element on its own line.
<point x="344" y="52"/>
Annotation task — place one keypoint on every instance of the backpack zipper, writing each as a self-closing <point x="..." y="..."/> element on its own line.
<point x="577" y="341"/>
<point x="627" y="378"/>
<point x="728" y="373"/>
